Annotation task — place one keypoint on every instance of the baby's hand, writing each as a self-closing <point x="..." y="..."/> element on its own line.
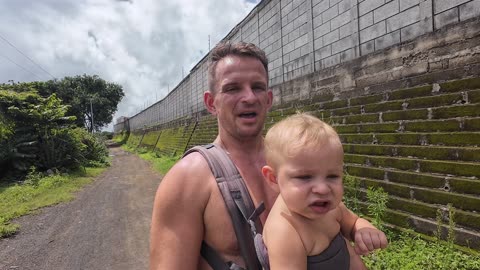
<point x="369" y="239"/>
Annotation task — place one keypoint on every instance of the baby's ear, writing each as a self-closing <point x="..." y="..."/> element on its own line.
<point x="270" y="177"/>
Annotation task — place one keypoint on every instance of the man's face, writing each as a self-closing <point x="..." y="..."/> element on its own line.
<point x="241" y="97"/>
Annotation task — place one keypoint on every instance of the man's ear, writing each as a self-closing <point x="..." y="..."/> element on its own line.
<point x="270" y="177"/>
<point x="270" y="98"/>
<point x="209" y="99"/>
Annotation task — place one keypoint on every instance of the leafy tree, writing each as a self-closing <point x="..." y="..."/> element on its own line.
<point x="36" y="133"/>
<point x="81" y="91"/>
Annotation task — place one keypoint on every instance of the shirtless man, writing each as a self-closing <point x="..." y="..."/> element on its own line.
<point x="189" y="207"/>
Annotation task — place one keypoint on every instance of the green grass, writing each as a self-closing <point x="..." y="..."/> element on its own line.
<point x="408" y="251"/>
<point x="128" y="148"/>
<point x="160" y="163"/>
<point x="21" y="199"/>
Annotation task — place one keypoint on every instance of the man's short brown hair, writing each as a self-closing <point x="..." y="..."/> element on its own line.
<point x="228" y="48"/>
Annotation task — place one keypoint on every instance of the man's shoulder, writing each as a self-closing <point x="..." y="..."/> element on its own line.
<point x="188" y="173"/>
<point x="188" y="183"/>
<point x="192" y="169"/>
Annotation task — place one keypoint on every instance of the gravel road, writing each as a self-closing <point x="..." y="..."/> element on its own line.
<point x="105" y="227"/>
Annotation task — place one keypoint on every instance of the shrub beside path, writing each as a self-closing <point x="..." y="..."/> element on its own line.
<point x="106" y="226"/>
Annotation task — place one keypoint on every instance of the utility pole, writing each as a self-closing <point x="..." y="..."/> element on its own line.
<point x="91" y="112"/>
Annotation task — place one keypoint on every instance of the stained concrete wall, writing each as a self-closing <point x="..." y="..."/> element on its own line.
<point x="305" y="36"/>
<point x="408" y="114"/>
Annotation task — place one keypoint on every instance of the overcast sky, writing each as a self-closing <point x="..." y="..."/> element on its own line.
<point x="142" y="45"/>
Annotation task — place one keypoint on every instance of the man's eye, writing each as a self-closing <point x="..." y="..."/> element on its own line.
<point x="259" y="88"/>
<point x="230" y="89"/>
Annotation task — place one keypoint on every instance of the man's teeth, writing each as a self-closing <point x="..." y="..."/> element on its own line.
<point x="248" y="114"/>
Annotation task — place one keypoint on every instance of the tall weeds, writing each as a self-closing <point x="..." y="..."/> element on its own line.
<point x="407" y="249"/>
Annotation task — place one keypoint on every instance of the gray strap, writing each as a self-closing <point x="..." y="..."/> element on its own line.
<point x="214" y="259"/>
<point x="237" y="199"/>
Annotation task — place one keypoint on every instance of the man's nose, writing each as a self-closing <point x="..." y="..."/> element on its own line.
<point x="249" y="95"/>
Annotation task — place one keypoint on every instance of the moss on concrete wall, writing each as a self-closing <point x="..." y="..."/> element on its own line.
<point x="420" y="144"/>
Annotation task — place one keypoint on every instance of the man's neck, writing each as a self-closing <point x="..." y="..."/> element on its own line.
<point x="250" y="147"/>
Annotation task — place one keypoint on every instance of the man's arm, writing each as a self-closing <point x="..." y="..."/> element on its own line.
<point x="177" y="226"/>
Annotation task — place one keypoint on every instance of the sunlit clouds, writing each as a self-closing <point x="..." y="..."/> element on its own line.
<point x="144" y="45"/>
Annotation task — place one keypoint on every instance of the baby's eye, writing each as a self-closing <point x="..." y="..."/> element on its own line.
<point x="304" y="177"/>
<point x="333" y="176"/>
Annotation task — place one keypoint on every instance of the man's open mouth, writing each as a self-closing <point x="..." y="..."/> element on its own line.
<point x="248" y="115"/>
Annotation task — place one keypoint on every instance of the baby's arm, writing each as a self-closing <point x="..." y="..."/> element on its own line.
<point x="367" y="238"/>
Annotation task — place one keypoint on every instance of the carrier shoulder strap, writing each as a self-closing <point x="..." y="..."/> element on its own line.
<point x="237" y="199"/>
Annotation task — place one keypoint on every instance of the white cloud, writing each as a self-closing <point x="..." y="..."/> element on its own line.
<point x="141" y="44"/>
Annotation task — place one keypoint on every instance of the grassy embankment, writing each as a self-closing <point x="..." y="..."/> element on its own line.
<point x="160" y="163"/>
<point x="406" y="251"/>
<point x="39" y="191"/>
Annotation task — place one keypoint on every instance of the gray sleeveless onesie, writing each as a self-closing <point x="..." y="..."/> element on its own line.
<point x="334" y="257"/>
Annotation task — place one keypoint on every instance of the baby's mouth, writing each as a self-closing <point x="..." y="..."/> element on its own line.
<point x="320" y="207"/>
<point x="320" y="204"/>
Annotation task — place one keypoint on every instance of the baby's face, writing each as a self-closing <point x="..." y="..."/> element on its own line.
<point x="310" y="182"/>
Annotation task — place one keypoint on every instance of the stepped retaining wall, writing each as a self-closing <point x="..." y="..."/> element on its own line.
<point x="408" y="116"/>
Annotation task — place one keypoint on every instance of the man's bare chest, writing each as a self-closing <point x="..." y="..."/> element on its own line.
<point x="219" y="232"/>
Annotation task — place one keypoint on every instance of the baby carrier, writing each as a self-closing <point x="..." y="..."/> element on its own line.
<point x="244" y="215"/>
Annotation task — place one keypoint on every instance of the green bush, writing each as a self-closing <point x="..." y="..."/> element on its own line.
<point x="351" y="196"/>
<point x="35" y="131"/>
<point x="377" y="205"/>
<point x="93" y="150"/>
<point x="105" y="135"/>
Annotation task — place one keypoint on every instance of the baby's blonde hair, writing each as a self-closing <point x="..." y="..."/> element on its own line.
<point x="295" y="133"/>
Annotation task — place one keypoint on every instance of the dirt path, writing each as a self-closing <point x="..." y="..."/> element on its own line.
<point x="105" y="227"/>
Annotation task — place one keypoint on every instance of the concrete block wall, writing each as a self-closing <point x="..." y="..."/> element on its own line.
<point x="302" y="37"/>
<point x="408" y="116"/>
<point x="420" y="144"/>
<point x="270" y="39"/>
<point x="453" y="11"/>
<point x="184" y="100"/>
<point x="170" y="139"/>
<point x="250" y="29"/>
<point x="398" y="79"/>
<point x="296" y="38"/>
<point x="335" y="32"/>
<point x="404" y="127"/>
